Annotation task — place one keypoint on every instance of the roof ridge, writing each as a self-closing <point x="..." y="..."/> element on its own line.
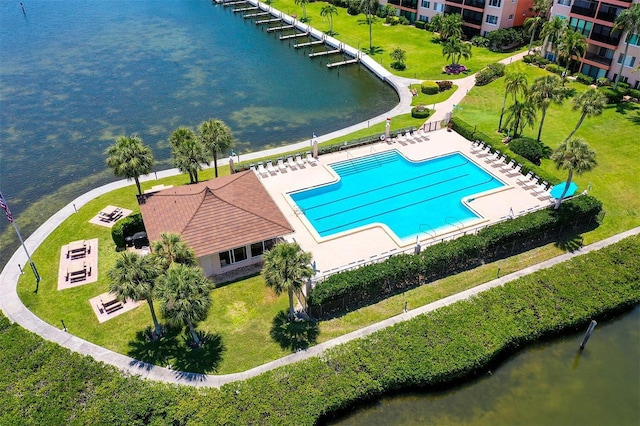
<point x="197" y="209"/>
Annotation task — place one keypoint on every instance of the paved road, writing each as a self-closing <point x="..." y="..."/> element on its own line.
<point x="15" y="310"/>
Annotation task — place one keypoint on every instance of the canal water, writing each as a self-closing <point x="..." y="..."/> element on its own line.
<point x="77" y="74"/>
<point x="550" y="383"/>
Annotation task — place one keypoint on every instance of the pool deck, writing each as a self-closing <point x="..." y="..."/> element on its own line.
<point x="375" y="242"/>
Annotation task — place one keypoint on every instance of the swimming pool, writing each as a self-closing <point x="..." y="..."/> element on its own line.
<point x="411" y="198"/>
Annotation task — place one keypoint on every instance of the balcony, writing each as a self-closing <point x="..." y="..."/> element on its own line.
<point x="410" y="4"/>
<point x="395" y="2"/>
<point x="584" y="11"/>
<point x="604" y="16"/>
<point x="597" y="58"/>
<point x="475" y="3"/>
<point x="454" y="1"/>
<point x="612" y="41"/>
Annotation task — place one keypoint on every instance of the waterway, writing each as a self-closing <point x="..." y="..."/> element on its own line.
<point x="550" y="383"/>
<point x="77" y="74"/>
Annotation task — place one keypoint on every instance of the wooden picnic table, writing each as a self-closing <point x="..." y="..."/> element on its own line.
<point x="109" y="213"/>
<point x="77" y="247"/>
<point x="77" y="269"/>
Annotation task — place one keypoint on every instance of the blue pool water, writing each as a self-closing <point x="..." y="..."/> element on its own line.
<point x="411" y="198"/>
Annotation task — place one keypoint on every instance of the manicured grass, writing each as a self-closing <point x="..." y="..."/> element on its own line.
<point x="613" y="135"/>
<point x="424" y="99"/>
<point x="424" y="58"/>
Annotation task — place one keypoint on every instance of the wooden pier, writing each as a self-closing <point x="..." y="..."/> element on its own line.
<point x="286" y="37"/>
<point x="280" y="28"/>
<point x="245" y="9"/>
<point x="256" y="15"/>
<point x="347" y="62"/>
<point x="311" y="43"/>
<point x="268" y="21"/>
<point x="325" y="52"/>
<point x="231" y="3"/>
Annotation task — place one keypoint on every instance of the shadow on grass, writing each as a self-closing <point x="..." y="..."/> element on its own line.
<point x="174" y="349"/>
<point x="570" y="243"/>
<point x="375" y="50"/>
<point x="293" y="335"/>
<point x="625" y="107"/>
<point x="635" y="119"/>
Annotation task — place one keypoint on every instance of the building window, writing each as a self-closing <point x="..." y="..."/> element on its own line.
<point x="423" y="18"/>
<point x="426" y="4"/>
<point x="495" y="3"/>
<point x="438" y="7"/>
<point x="233" y="256"/>
<point x="634" y="39"/>
<point x="581" y="26"/>
<point x="629" y="61"/>
<point x="493" y="20"/>
<point x="257" y="249"/>
<point x="564" y="3"/>
<point x="511" y="17"/>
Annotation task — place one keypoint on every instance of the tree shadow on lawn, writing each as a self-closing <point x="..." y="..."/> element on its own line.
<point x="174" y="349"/>
<point x="625" y="107"/>
<point x="294" y="335"/>
<point x="570" y="243"/>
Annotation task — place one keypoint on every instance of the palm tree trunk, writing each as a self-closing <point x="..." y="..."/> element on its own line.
<point x="544" y="113"/>
<point x="192" y="329"/>
<point x="566" y="188"/>
<point x="577" y="126"/>
<point x="135" y="178"/>
<point x="156" y="324"/>
<point x="626" y="48"/>
<point x="291" y="310"/>
<point x="370" y="36"/>
<point x="533" y="33"/>
<point x="215" y="162"/>
<point x="195" y="176"/>
<point x="504" y="103"/>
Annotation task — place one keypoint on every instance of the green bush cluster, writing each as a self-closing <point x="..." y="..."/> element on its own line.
<point x="444" y="85"/>
<point x="490" y="73"/>
<point x="429" y="87"/>
<point x="421" y="111"/>
<point x="613" y="96"/>
<point x="530" y="149"/>
<point x="506" y="38"/>
<point x="480" y="41"/>
<point x="468" y="131"/>
<point x="584" y="79"/>
<point x="126" y="227"/>
<point x="536" y="60"/>
<point x="377" y="281"/>
<point x="554" y="68"/>
<point x="46" y="384"/>
<point x="420" y="25"/>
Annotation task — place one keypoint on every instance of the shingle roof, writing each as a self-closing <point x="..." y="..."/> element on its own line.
<point x="215" y="215"/>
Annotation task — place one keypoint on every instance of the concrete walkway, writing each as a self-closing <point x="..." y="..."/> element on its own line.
<point x="15" y="310"/>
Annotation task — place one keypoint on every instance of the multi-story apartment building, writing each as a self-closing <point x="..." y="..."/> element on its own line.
<point x="480" y="16"/>
<point x="605" y="47"/>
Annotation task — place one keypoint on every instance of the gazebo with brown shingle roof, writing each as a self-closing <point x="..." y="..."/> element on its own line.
<point x="229" y="221"/>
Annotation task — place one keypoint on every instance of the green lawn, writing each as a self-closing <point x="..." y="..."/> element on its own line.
<point x="245" y="326"/>
<point x="613" y="135"/>
<point x="424" y="99"/>
<point x="424" y="58"/>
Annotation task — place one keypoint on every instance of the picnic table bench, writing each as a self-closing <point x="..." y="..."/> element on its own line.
<point x="78" y="249"/>
<point x="111" y="306"/>
<point x="77" y="270"/>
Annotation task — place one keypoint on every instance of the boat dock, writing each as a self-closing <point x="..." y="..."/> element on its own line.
<point x="280" y="28"/>
<point x="311" y="43"/>
<point x="285" y="37"/>
<point x="347" y="62"/>
<point x="324" y="52"/>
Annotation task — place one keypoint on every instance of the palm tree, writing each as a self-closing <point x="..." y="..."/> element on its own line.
<point x="286" y="268"/>
<point x="451" y="26"/>
<point x="216" y="137"/>
<point x="369" y="9"/>
<point x="134" y="277"/>
<point x="591" y="103"/>
<point x="540" y="9"/>
<point x="185" y="294"/>
<point x="552" y="31"/>
<point x="328" y="11"/>
<point x="398" y="56"/>
<point x="129" y="158"/>
<point x="543" y="92"/>
<point x="188" y="152"/>
<point x="571" y="43"/>
<point x="577" y="157"/>
<point x="170" y="249"/>
<point x="521" y="115"/>
<point x="515" y="83"/>
<point x="455" y="47"/>
<point x="628" y="20"/>
<point x="303" y="4"/>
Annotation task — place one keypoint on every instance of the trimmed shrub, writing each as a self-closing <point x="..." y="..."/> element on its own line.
<point x="623" y="86"/>
<point x="420" y="111"/>
<point x="556" y="69"/>
<point x="497" y="69"/>
<point x="126" y="227"/>
<point x="603" y="81"/>
<point x="444" y="85"/>
<point x="484" y="77"/>
<point x="377" y="281"/>
<point x="420" y="25"/>
<point x="529" y="59"/>
<point x="584" y="79"/>
<point x="613" y="96"/>
<point x="480" y="41"/>
<point x="530" y="149"/>
<point x="400" y="66"/>
<point x="429" y="88"/>
<point x="634" y="93"/>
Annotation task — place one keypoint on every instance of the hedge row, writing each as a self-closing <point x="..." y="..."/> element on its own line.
<point x="126" y="227"/>
<point x="45" y="384"/>
<point x="469" y="132"/>
<point x="377" y="281"/>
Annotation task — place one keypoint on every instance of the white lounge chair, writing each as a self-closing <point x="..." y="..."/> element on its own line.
<point x="291" y="163"/>
<point x="271" y="169"/>
<point x="262" y="171"/>
<point x="312" y="161"/>
<point x="299" y="161"/>
<point x="515" y="171"/>
<point x="493" y="157"/>
<point x="281" y="165"/>
<point x="525" y="179"/>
